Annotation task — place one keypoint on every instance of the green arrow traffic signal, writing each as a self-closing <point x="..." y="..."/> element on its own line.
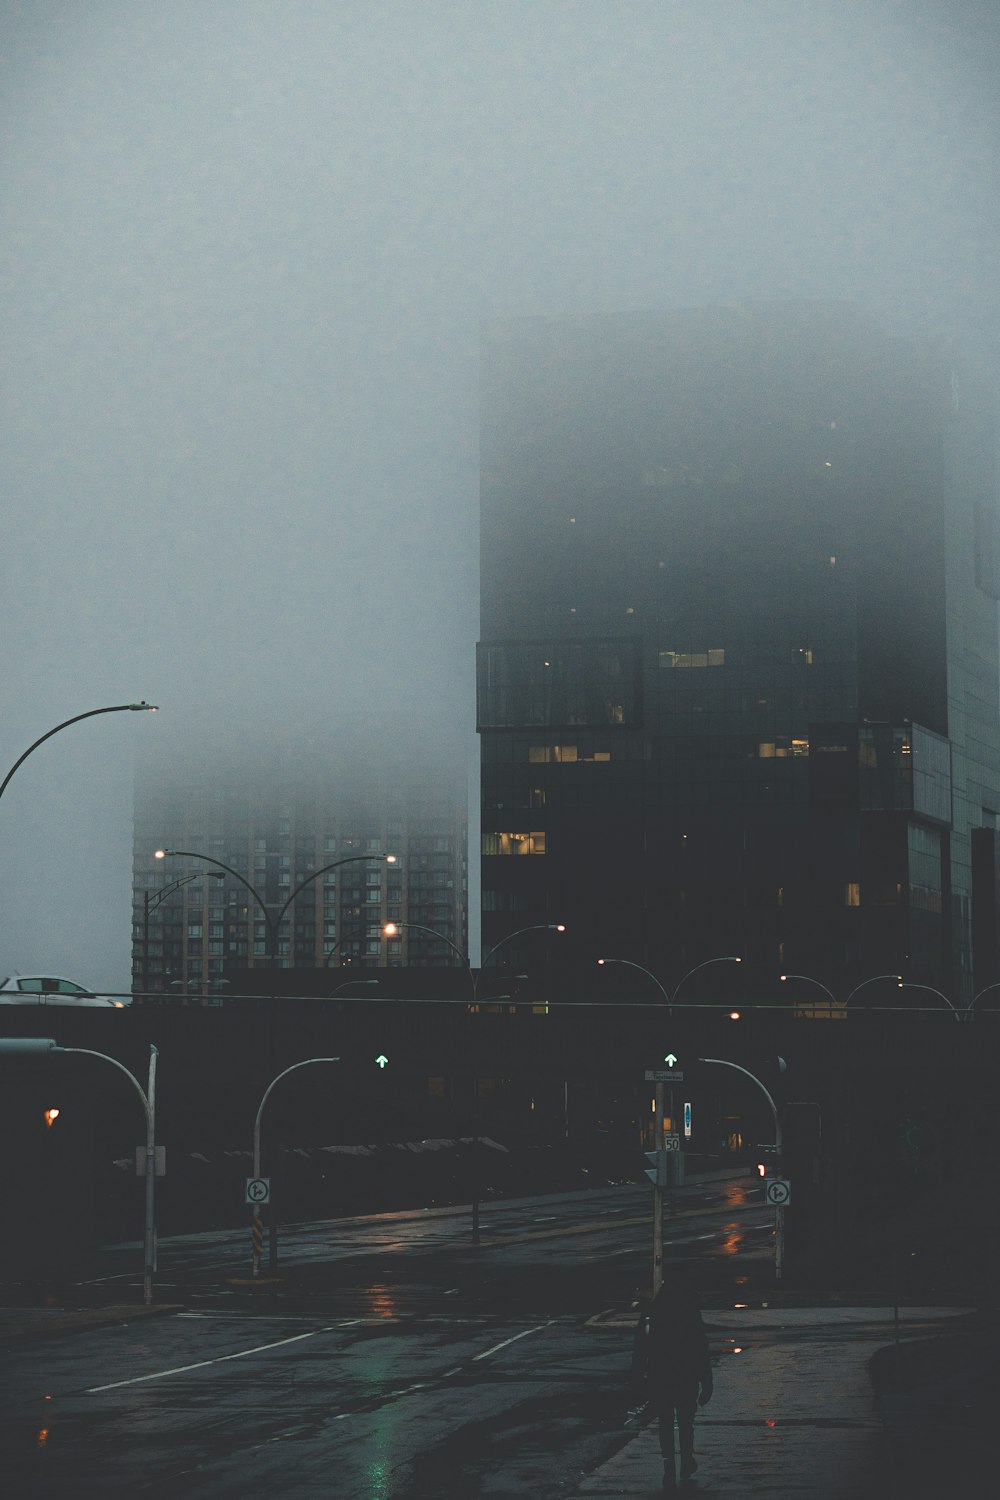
<point x="382" y="1060"/>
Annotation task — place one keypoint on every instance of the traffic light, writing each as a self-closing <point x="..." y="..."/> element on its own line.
<point x="657" y="1169"/>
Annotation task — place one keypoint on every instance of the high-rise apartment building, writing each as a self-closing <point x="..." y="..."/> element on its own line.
<point x="278" y="821"/>
<point x="738" y="675"/>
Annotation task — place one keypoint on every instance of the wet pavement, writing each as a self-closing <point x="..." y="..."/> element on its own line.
<point x="793" y="1415"/>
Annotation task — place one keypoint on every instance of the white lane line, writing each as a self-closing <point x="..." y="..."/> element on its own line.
<point x="203" y="1363"/>
<point x="537" y="1329"/>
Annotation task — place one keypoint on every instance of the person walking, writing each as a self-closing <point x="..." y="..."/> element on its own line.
<point x="671" y="1361"/>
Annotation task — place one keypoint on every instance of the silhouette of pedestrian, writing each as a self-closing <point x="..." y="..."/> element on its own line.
<point x="670" y="1359"/>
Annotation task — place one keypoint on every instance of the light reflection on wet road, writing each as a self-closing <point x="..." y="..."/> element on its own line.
<point x="407" y="1364"/>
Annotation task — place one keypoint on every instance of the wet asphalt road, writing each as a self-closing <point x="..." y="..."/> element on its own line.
<point x="394" y="1359"/>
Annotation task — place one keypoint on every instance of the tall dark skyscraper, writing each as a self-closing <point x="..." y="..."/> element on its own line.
<point x="738" y="676"/>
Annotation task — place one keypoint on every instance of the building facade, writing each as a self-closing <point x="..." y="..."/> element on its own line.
<point x="325" y="823"/>
<point x="738" y="675"/>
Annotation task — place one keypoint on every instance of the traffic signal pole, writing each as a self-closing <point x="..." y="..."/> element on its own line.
<point x="658" y="1192"/>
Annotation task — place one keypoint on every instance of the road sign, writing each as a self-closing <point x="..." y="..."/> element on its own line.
<point x="687" y="1121"/>
<point x="671" y="1141"/>
<point x="258" y="1189"/>
<point x="767" y="1148"/>
<point x="671" y="1060"/>
<point x="664" y="1075"/>
<point x="778" y="1192"/>
<point x="382" y="1060"/>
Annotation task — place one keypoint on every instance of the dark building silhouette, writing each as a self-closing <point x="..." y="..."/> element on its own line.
<point x="738" y="675"/>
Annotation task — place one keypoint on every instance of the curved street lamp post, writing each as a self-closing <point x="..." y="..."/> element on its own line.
<point x="273" y="923"/>
<point x="150" y="901"/>
<point x="664" y="1107"/>
<point x="115" y="708"/>
<point x="779" y="1212"/>
<point x="390" y="929"/>
<point x="257" y="1226"/>
<point x="28" y="1045"/>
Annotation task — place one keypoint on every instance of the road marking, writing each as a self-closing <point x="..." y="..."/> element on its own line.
<point x="203" y="1363"/>
<point x="487" y="1352"/>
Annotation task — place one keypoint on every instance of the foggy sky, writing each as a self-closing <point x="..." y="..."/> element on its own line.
<point x="245" y="247"/>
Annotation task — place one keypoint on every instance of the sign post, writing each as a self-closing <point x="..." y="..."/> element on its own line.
<point x="661" y="1162"/>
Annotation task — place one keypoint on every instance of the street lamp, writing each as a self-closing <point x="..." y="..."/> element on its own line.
<point x="354" y="984"/>
<point x="392" y="928"/>
<point x="273" y="923"/>
<point x="907" y="985"/>
<point x="779" y="1212"/>
<point x="150" y="901"/>
<point x="536" y="927"/>
<point x="257" y="1240"/>
<point x="728" y="958"/>
<point x="116" y="708"/>
<point x="35" y="1045"/>
<point x="971" y="1008"/>
<point x="897" y="980"/>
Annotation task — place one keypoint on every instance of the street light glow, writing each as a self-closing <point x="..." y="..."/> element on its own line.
<point x="390" y="929"/>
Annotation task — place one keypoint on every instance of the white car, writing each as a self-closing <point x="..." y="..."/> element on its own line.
<point x="50" y="989"/>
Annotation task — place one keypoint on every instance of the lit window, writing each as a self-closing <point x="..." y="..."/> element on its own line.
<point x="716" y="657"/>
<point x="514" y="843"/>
<point x="852" y="893"/>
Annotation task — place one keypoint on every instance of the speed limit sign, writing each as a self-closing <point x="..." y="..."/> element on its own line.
<point x="778" y="1192"/>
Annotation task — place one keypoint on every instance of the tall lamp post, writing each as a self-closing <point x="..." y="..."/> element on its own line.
<point x="675" y="1167"/>
<point x="115" y="708"/>
<point x="971" y="1008"/>
<point x="258" y="1243"/>
<point x="535" y="927"/>
<point x="725" y="958"/>
<point x="150" y="901"/>
<point x="273" y="923"/>
<point x="390" y="929"/>
<point x="897" y="980"/>
<point x="779" y="1212"/>
<point x="27" y="1045"/>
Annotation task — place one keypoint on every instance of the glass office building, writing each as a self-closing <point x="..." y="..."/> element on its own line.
<point x="738" y="675"/>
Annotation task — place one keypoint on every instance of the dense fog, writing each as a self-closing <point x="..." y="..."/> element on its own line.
<point x="247" y="246"/>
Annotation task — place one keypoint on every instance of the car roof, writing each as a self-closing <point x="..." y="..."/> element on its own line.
<point x="63" y="978"/>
